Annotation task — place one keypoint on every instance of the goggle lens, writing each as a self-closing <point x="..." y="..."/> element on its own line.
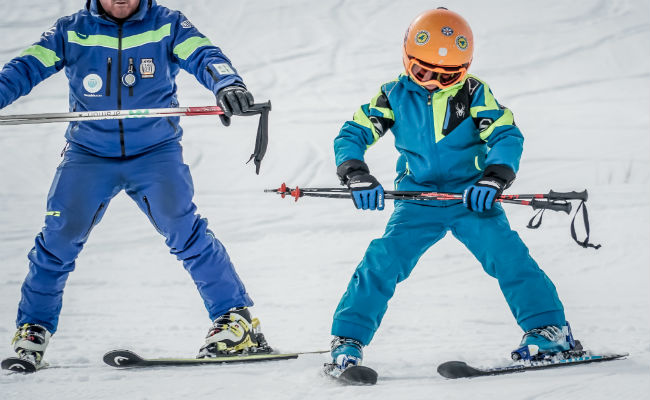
<point x="427" y="74"/>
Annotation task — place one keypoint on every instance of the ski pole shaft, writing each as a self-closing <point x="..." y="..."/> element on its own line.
<point x="537" y="203"/>
<point x="22" y="119"/>
<point x="551" y="195"/>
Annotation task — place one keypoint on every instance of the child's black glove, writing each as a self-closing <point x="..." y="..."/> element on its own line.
<point x="367" y="193"/>
<point x="481" y="196"/>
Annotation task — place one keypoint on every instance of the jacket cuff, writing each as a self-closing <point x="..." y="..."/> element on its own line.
<point x="500" y="172"/>
<point x="350" y="168"/>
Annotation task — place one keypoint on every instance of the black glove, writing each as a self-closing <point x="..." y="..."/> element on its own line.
<point x="367" y="193"/>
<point x="233" y="100"/>
<point x="482" y="195"/>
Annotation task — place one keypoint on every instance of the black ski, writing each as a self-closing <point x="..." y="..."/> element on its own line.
<point x="460" y="369"/>
<point x="17" y="364"/>
<point x="129" y="359"/>
<point x="354" y="375"/>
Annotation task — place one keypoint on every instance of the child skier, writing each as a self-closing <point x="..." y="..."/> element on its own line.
<point x="452" y="136"/>
<point x="126" y="54"/>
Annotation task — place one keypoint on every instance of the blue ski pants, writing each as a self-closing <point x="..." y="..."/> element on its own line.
<point x="411" y="230"/>
<point x="161" y="185"/>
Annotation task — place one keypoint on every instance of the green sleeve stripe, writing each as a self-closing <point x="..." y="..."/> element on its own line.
<point x="46" y="56"/>
<point x="385" y="111"/>
<point x="362" y="119"/>
<point x="189" y="46"/>
<point x="93" y="40"/>
<point x="490" y="103"/>
<point x="146" y="37"/>
<point x="128" y="42"/>
<point x="506" y="119"/>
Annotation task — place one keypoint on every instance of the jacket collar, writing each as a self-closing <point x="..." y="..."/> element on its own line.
<point x="93" y="7"/>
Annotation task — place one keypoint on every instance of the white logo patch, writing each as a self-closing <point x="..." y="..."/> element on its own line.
<point x="187" y="24"/>
<point x="147" y="68"/>
<point x="93" y="83"/>
<point x="223" y="69"/>
<point x="49" y="32"/>
<point x="118" y="360"/>
<point x="460" y="110"/>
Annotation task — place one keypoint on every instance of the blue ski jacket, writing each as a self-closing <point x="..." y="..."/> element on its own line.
<point x="445" y="138"/>
<point x="120" y="65"/>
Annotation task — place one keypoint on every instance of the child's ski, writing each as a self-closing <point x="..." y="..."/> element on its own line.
<point x="354" y="375"/>
<point x="129" y="359"/>
<point x="460" y="369"/>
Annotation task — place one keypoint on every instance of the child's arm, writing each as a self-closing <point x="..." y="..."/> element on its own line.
<point x="370" y="122"/>
<point x="497" y="128"/>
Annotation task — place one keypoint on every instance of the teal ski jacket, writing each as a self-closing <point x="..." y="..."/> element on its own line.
<point x="445" y="139"/>
<point x="128" y="64"/>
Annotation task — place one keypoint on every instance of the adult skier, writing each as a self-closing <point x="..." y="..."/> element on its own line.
<point x="126" y="54"/>
<point x="452" y="136"/>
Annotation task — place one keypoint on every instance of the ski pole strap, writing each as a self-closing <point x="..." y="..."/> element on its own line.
<point x="585" y="217"/>
<point x="262" y="138"/>
<point x="535" y="225"/>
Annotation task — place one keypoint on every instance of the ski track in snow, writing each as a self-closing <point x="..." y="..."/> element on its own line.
<point x="576" y="76"/>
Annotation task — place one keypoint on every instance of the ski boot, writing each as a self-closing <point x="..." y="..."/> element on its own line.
<point x="546" y="342"/>
<point x="30" y="342"/>
<point x="346" y="367"/>
<point x="346" y="352"/>
<point x="234" y="333"/>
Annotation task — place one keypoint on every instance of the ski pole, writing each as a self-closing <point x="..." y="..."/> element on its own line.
<point x="261" y="140"/>
<point x="22" y="119"/>
<point x="556" y="202"/>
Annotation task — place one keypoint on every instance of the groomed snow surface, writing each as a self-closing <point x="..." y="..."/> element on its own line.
<point x="577" y="76"/>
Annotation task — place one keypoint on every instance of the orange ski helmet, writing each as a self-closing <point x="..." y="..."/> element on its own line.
<point x="438" y="48"/>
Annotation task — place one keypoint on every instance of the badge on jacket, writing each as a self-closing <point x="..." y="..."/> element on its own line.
<point x="147" y="68"/>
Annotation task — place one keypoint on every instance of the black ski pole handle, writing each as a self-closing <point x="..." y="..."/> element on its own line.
<point x="258" y="108"/>
<point x="548" y="205"/>
<point x="553" y="195"/>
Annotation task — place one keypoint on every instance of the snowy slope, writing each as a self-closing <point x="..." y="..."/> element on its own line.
<point x="577" y="76"/>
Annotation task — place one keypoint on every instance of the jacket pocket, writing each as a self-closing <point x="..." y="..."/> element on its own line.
<point x="150" y="215"/>
<point x="95" y="219"/>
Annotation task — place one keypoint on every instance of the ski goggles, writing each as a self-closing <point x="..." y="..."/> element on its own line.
<point x="427" y="74"/>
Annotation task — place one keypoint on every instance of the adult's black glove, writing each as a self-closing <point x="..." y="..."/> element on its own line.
<point x="481" y="195"/>
<point x="367" y="193"/>
<point x="233" y="100"/>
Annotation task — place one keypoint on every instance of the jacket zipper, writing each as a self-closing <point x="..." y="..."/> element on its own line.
<point x="131" y="71"/>
<point x="109" y="67"/>
<point x="119" y="87"/>
<point x="153" y="221"/>
<point x="433" y="128"/>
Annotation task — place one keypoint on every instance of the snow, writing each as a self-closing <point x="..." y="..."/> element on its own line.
<point x="576" y="74"/>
